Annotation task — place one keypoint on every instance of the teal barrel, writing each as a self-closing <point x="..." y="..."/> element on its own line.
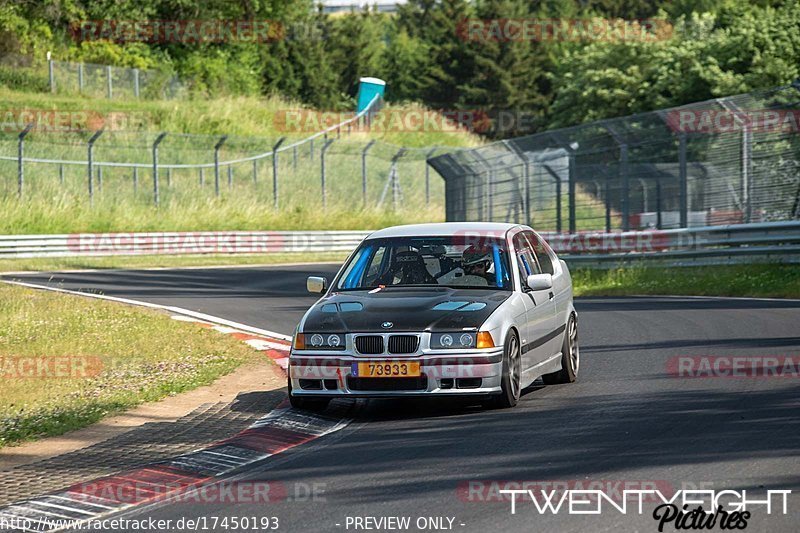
<point x="367" y="89"/>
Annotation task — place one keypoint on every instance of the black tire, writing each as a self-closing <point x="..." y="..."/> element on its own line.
<point x="570" y="356"/>
<point x="510" y="380"/>
<point x="306" y="403"/>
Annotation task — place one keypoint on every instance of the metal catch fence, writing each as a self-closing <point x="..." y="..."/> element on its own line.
<point x="725" y="161"/>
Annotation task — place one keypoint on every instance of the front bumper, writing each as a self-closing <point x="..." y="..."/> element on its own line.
<point x="442" y="374"/>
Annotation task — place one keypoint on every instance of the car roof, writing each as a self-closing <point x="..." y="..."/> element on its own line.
<point x="441" y="229"/>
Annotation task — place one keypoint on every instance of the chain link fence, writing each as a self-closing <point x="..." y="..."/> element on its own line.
<point x="106" y="81"/>
<point x="724" y="161"/>
<point x="337" y="169"/>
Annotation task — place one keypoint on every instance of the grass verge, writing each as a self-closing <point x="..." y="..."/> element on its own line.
<point x="49" y="264"/>
<point x="765" y="280"/>
<point x="67" y="361"/>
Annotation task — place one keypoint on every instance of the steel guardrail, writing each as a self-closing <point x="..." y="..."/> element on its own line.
<point x="703" y="245"/>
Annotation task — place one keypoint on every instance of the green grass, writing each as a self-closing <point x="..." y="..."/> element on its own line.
<point x="765" y="280"/>
<point x="47" y="264"/>
<point x="140" y="356"/>
<point x="242" y="116"/>
<point x="56" y="200"/>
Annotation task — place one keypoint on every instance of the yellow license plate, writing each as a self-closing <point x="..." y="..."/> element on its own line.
<point x="387" y="369"/>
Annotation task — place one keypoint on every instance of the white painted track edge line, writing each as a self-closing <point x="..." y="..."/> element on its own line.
<point x="172" y="309"/>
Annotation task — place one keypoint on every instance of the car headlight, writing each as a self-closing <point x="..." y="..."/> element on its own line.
<point x="318" y="341"/>
<point x="453" y="340"/>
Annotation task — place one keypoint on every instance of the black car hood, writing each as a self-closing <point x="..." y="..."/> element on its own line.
<point x="408" y="309"/>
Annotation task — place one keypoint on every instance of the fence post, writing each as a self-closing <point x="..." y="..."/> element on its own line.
<point x="557" y="178"/>
<point x="109" y="83"/>
<point x="322" y="169"/>
<point x="169" y="177"/>
<point x="255" y="171"/>
<point x="136" y="82"/>
<point x="428" y="177"/>
<point x="364" y="172"/>
<point x="216" y="162"/>
<point x="294" y="157"/>
<point x="395" y="179"/>
<point x="747" y="167"/>
<point x="683" y="182"/>
<point x="202" y="177"/>
<point x="20" y="155"/>
<point x="275" y="171"/>
<point x="311" y="149"/>
<point x="135" y="179"/>
<point x="626" y="187"/>
<point x="658" y="203"/>
<point x="230" y="176"/>
<point x="607" y="194"/>
<point x="80" y="77"/>
<point x="155" y="165"/>
<point x="61" y="174"/>
<point x="571" y="190"/>
<point x="51" y="75"/>
<point x="90" y="162"/>
<point x="99" y="179"/>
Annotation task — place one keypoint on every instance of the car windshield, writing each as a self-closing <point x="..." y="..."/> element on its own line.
<point x="454" y="261"/>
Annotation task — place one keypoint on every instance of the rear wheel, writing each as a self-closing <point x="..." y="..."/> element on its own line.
<point x="570" y="356"/>
<point x="307" y="403"/>
<point x="510" y="380"/>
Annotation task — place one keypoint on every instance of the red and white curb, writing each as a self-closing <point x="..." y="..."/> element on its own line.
<point x="281" y="429"/>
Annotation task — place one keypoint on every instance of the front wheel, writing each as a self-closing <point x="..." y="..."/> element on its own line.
<point x="570" y="356"/>
<point x="510" y="380"/>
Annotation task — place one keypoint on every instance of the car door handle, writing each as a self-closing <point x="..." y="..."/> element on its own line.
<point x="551" y="295"/>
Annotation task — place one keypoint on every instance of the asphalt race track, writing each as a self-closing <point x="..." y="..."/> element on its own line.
<point x="627" y="419"/>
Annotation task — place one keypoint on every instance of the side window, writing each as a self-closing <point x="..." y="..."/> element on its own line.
<point x="525" y="258"/>
<point x="542" y="252"/>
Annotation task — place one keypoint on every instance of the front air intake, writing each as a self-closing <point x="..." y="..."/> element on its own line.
<point x="369" y="344"/>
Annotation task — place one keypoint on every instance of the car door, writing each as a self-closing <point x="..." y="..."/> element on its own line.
<point x="559" y="296"/>
<point x="540" y="309"/>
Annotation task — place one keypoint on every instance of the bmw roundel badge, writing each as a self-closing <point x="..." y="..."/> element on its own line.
<point x="387" y="325"/>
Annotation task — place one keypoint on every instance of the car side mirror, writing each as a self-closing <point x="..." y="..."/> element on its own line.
<point x="539" y="282"/>
<point x="316" y="284"/>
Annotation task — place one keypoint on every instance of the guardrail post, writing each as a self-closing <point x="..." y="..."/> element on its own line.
<point x="109" y="83"/>
<point x="90" y="162"/>
<point x="322" y="170"/>
<point x="683" y="182"/>
<point x="428" y="177"/>
<point x="155" y="166"/>
<point x="364" y="172"/>
<point x="216" y="163"/>
<point x="80" y="77"/>
<point x="626" y="186"/>
<point x="275" y="147"/>
<point x="136" y="82"/>
<point x="51" y="75"/>
<point x="20" y="155"/>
